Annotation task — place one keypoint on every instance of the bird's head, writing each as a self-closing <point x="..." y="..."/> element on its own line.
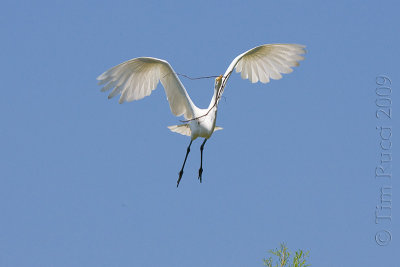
<point x="218" y="82"/>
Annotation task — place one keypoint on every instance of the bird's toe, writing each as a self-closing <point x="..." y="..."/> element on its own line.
<point x="200" y="174"/>
<point x="180" y="177"/>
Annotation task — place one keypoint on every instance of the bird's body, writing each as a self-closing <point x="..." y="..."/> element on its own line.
<point x="136" y="78"/>
<point x="203" y="126"/>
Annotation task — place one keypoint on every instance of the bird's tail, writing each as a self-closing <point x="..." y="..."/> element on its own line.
<point x="184" y="129"/>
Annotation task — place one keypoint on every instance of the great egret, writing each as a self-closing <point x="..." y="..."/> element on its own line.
<point x="136" y="78"/>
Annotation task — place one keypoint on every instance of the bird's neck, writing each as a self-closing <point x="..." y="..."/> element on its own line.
<point x="214" y="100"/>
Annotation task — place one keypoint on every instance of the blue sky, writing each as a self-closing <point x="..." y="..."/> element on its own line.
<point x="86" y="181"/>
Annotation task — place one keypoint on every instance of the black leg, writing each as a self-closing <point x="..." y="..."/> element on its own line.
<point x="201" y="159"/>
<point x="183" y="166"/>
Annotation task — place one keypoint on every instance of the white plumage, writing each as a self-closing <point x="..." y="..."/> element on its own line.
<point x="138" y="77"/>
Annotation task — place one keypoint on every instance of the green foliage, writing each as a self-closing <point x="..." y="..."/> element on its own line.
<point x="283" y="258"/>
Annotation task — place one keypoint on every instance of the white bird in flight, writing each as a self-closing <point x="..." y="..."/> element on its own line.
<point x="136" y="78"/>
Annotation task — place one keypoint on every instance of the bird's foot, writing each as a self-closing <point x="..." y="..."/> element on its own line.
<point x="200" y="173"/>
<point x="180" y="177"/>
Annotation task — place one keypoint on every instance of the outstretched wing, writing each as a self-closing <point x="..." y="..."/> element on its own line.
<point x="265" y="62"/>
<point x="136" y="78"/>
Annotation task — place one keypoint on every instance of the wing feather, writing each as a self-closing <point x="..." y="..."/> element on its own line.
<point x="137" y="78"/>
<point x="266" y="62"/>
